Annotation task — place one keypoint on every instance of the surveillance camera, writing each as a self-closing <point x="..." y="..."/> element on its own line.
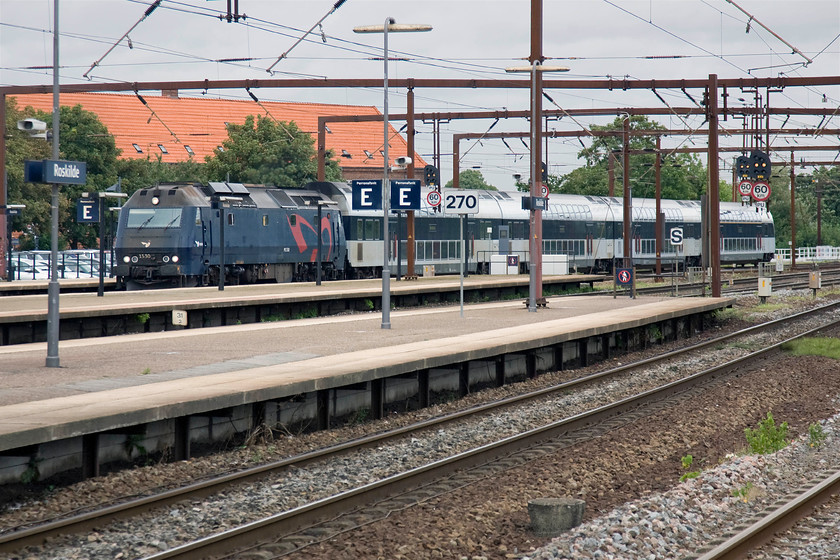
<point x="35" y="128"/>
<point x="403" y="160"/>
<point x="31" y="125"/>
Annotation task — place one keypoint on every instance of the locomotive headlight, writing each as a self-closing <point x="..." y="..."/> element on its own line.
<point x="165" y="258"/>
<point x="134" y="259"/>
<point x="155" y="201"/>
<point x="126" y="259"/>
<point x="175" y="258"/>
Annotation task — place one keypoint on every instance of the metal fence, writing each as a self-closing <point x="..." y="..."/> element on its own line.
<point x="36" y="265"/>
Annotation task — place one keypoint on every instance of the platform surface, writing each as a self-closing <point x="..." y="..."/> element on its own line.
<point x="89" y="365"/>
<point x="158" y="374"/>
<point x="33" y="307"/>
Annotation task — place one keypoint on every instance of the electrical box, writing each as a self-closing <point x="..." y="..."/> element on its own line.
<point x="765" y="287"/>
<point x="815" y="280"/>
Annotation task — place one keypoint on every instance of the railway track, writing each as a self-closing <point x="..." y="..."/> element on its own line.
<point x="789" y="530"/>
<point x="412" y="484"/>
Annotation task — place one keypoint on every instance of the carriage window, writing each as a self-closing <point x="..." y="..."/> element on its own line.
<point x="265" y="219"/>
<point x="198" y="216"/>
<point x="293" y="220"/>
<point x="372" y="229"/>
<point x="230" y="219"/>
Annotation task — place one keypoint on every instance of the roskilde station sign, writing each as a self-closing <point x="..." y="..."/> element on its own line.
<point x="55" y="171"/>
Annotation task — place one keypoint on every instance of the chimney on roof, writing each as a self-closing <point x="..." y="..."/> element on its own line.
<point x="170" y="93"/>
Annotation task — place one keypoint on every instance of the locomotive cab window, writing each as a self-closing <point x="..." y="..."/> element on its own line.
<point x="142" y="218"/>
<point x="230" y="219"/>
<point x="265" y="220"/>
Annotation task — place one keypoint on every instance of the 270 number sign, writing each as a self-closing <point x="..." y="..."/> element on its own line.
<point x="459" y="201"/>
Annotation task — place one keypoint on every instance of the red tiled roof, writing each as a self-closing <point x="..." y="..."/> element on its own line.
<point x="199" y="123"/>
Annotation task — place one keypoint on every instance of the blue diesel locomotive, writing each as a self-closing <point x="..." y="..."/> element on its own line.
<point x="170" y="235"/>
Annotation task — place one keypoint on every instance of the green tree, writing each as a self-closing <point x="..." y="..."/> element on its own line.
<point x="137" y="174"/>
<point x="34" y="220"/>
<point x="263" y="150"/>
<point x="82" y="137"/>
<point x="471" y="179"/>
<point x="683" y="176"/>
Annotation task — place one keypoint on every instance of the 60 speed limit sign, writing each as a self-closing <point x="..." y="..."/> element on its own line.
<point x="761" y="191"/>
<point x="745" y="188"/>
<point x="433" y="198"/>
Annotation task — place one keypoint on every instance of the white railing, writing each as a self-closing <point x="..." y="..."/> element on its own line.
<point x="810" y="254"/>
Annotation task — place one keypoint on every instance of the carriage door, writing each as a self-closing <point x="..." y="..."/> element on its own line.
<point x="504" y="240"/>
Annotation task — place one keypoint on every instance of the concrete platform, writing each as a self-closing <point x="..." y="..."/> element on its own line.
<point x="23" y="319"/>
<point x="110" y="383"/>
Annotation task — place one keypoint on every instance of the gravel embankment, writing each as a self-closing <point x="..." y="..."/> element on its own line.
<point x="684" y="520"/>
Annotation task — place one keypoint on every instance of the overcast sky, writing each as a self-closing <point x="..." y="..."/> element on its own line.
<point x="660" y="39"/>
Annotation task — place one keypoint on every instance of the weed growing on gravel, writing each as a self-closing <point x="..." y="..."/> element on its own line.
<point x="817" y="346"/>
<point x="687" y="461"/>
<point x="728" y="314"/>
<point x="767" y="308"/>
<point x="743" y="492"/>
<point x="309" y="313"/>
<point x="146" y="371"/>
<point x="31" y="474"/>
<point x="360" y="417"/>
<point x="272" y="318"/>
<point x="133" y="442"/>
<point x="816" y="436"/>
<point x="767" y="437"/>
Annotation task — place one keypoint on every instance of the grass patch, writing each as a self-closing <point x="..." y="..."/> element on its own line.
<point x="768" y="307"/>
<point x="272" y="318"/>
<point x="816" y="346"/>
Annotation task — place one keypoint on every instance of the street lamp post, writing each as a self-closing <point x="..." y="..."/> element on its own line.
<point x="389" y="26"/>
<point x="535" y="228"/>
<point x="53" y="288"/>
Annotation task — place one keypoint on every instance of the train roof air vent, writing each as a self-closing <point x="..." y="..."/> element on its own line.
<point x="282" y="198"/>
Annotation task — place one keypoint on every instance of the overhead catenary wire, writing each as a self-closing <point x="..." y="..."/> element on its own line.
<point x="773" y="33"/>
<point x="146" y="14"/>
<point x="267" y="112"/>
<point x="155" y="115"/>
<point x="336" y="6"/>
<point x="478" y="140"/>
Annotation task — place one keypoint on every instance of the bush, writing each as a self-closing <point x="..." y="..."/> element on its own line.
<point x="767" y="437"/>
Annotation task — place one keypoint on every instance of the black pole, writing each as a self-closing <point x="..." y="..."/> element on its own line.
<point x="318" y="254"/>
<point x="399" y="245"/>
<point x="101" y="291"/>
<point x="10" y="269"/>
<point x="221" y="246"/>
